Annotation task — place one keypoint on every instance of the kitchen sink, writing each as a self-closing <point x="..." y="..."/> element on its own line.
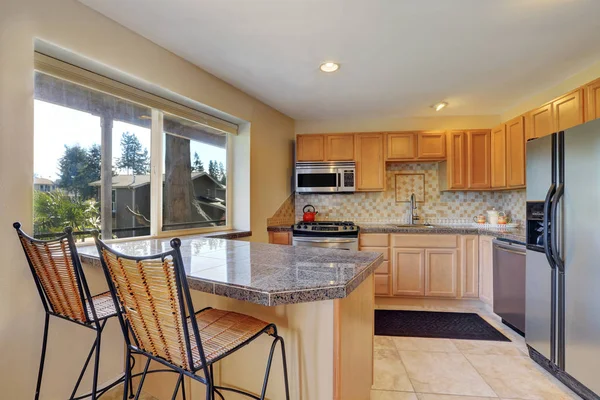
<point x="415" y="226"/>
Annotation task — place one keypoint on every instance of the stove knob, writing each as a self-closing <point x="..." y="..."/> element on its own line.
<point x="345" y="227"/>
<point x="299" y="226"/>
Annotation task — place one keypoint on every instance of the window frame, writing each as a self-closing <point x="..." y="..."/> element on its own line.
<point x="73" y="74"/>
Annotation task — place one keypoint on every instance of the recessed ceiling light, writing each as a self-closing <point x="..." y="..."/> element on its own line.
<point x="329" y="66"/>
<point x="439" y="106"/>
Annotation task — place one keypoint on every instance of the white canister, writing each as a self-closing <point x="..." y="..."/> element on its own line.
<point x="492" y="216"/>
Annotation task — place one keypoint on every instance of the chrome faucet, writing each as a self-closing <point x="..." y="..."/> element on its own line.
<point x="413" y="210"/>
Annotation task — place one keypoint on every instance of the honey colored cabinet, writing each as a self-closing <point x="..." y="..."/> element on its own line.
<point x="515" y="154"/>
<point x="339" y="147"/>
<point x="441" y="272"/>
<point x="568" y="110"/>
<point x="478" y="159"/>
<point x="431" y="145"/>
<point x="379" y="242"/>
<point x="540" y="122"/>
<point x="408" y="274"/>
<point x="310" y="147"/>
<point x="280" y="238"/>
<point x="469" y="265"/>
<point x="370" y="165"/>
<point x="592" y="105"/>
<point x="401" y="146"/>
<point x="453" y="172"/>
<point x="498" y="157"/>
<point x="486" y="269"/>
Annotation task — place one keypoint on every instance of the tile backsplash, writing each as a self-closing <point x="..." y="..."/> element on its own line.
<point x="438" y="207"/>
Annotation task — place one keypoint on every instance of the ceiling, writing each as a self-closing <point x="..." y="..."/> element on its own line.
<point x="397" y="57"/>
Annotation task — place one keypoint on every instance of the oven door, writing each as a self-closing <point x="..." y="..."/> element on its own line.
<point x="317" y="180"/>
<point x="327" y="242"/>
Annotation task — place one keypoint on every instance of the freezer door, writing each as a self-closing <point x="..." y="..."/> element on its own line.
<point x="538" y="303"/>
<point x="539" y="168"/>
<point x="581" y="252"/>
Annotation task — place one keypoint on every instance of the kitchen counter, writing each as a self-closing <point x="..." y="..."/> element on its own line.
<point x="514" y="234"/>
<point x="260" y="273"/>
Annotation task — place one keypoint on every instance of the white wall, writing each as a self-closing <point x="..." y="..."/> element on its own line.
<point x="71" y="25"/>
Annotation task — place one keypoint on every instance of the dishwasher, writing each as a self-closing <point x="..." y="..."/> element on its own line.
<point x="509" y="283"/>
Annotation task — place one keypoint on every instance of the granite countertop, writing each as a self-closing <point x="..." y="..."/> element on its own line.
<point x="514" y="234"/>
<point x="260" y="273"/>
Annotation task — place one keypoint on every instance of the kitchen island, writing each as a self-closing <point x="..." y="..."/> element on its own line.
<point x="321" y="300"/>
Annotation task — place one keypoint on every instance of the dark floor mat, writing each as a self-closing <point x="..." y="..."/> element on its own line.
<point x="429" y="324"/>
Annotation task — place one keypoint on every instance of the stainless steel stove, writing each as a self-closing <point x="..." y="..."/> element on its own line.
<point x="342" y="235"/>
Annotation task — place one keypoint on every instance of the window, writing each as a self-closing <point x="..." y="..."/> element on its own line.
<point x="90" y="145"/>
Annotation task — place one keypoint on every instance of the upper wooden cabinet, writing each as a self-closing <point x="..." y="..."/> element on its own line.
<point x="310" y="147"/>
<point x="540" y="122"/>
<point x="339" y="147"/>
<point x="370" y="164"/>
<point x="453" y="173"/>
<point x="515" y="154"/>
<point x="401" y="146"/>
<point x="592" y="105"/>
<point x="431" y="145"/>
<point x="568" y="110"/>
<point x="498" y="158"/>
<point x="478" y="159"/>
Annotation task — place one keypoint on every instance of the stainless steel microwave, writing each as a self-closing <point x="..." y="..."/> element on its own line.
<point x="325" y="177"/>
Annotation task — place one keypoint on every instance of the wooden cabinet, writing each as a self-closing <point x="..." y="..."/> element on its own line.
<point x="401" y="146"/>
<point x="280" y="238"/>
<point x="540" y="122"/>
<point x="568" y="110"/>
<point x="453" y="172"/>
<point x="310" y="147"/>
<point x="370" y="165"/>
<point x="515" y="154"/>
<point x="486" y="269"/>
<point x="498" y="157"/>
<point x="478" y="159"/>
<point x="592" y="105"/>
<point x="408" y="272"/>
<point x="440" y="272"/>
<point x="379" y="242"/>
<point x="431" y="145"/>
<point x="339" y="147"/>
<point x="469" y="266"/>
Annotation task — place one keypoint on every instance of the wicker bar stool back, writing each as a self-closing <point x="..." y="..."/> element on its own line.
<point x="65" y="294"/>
<point x="158" y="319"/>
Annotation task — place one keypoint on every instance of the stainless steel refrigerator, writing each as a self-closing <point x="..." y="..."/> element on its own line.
<point x="562" y="327"/>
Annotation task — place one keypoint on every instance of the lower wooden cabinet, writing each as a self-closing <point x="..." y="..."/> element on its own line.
<point x="382" y="285"/>
<point x="486" y="269"/>
<point x="379" y="243"/>
<point x="408" y="272"/>
<point x="469" y="265"/>
<point x="441" y="272"/>
<point x="280" y="238"/>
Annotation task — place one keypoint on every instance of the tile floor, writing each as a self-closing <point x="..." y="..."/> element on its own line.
<point x="444" y="369"/>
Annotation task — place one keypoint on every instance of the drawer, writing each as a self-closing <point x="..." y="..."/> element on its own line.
<point x="425" y="241"/>
<point x="384" y="268"/>
<point x="374" y="240"/>
<point x="383" y="250"/>
<point x="382" y="285"/>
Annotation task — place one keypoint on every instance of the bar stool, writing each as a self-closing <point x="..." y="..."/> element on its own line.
<point x="65" y="294"/>
<point x="156" y="311"/>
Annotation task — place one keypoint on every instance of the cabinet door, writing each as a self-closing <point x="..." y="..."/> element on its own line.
<point x="515" y="144"/>
<point x="382" y="285"/>
<point x="401" y="146"/>
<point x="408" y="269"/>
<point x="339" y="147"/>
<point x="499" y="156"/>
<point x="592" y="105"/>
<point x="486" y="270"/>
<point x="540" y="122"/>
<point x="370" y="165"/>
<point x="441" y="270"/>
<point x="469" y="266"/>
<point x="310" y="148"/>
<point x="478" y="159"/>
<point x="280" y="238"/>
<point x="431" y="145"/>
<point x="457" y="160"/>
<point x="568" y="110"/>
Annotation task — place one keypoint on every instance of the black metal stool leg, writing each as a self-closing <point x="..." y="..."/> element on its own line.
<point x="96" y="365"/>
<point x="139" y="391"/>
<point x="42" y="358"/>
<point x="183" y="388"/>
<point x="177" y="387"/>
<point x="285" y="371"/>
<point x="127" y="382"/>
<point x="268" y="371"/>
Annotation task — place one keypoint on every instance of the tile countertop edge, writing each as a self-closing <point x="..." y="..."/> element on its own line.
<point x="517" y="235"/>
<point x="274" y="298"/>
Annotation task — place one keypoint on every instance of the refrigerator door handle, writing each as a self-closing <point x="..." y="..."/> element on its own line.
<point x="546" y="225"/>
<point x="558" y="261"/>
